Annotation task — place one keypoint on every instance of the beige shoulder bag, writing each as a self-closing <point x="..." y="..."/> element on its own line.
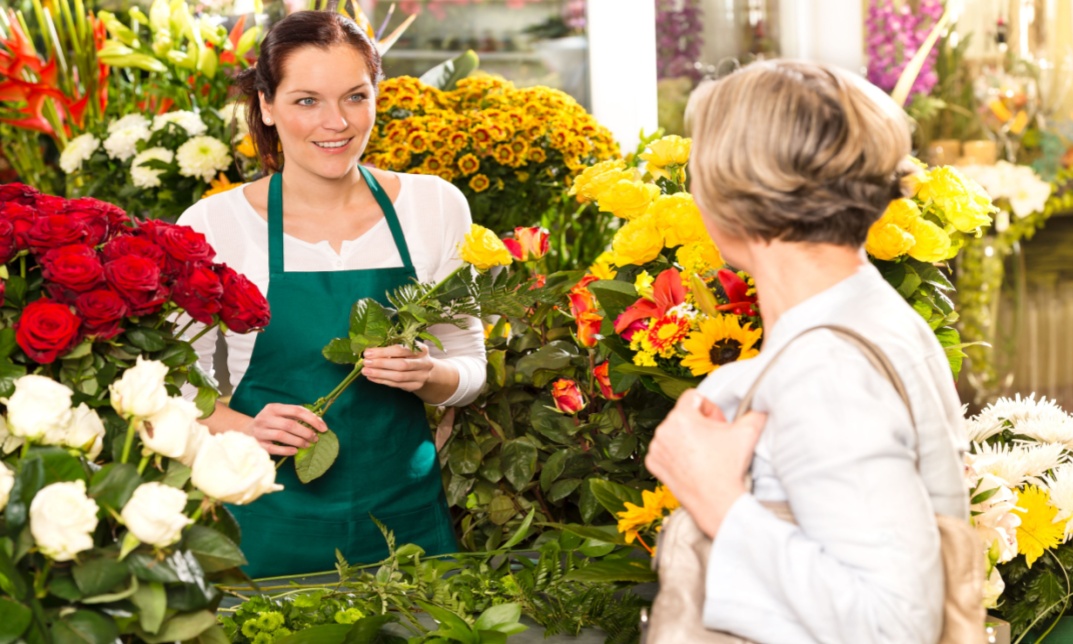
<point x="682" y="556"/>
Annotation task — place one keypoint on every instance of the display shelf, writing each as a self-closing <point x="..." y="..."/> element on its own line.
<point x="433" y="54"/>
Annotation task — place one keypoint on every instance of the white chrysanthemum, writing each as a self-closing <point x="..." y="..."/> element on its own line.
<point x="78" y="151"/>
<point x="1042" y="420"/>
<point x="122" y="143"/>
<point x="130" y="120"/>
<point x="1018" y="463"/>
<point x="188" y="121"/>
<point x="237" y="112"/>
<point x="146" y="177"/>
<point x="1060" y="483"/>
<point x="202" y="156"/>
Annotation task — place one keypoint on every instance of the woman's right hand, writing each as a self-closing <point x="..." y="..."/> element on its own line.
<point x="279" y="429"/>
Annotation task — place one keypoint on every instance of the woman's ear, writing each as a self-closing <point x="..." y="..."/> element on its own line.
<point x="266" y="109"/>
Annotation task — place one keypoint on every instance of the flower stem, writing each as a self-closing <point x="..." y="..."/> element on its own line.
<point x="322" y="405"/>
<point x="208" y="327"/>
<point x="129" y="440"/>
<point x="186" y="327"/>
<point x="143" y="464"/>
<point x="439" y="285"/>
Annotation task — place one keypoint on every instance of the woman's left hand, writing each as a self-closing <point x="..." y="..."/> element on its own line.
<point x="396" y="366"/>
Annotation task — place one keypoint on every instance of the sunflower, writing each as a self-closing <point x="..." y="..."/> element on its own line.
<point x="479" y="183"/>
<point x="718" y="341"/>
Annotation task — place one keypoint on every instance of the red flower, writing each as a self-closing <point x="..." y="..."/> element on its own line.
<point x="50" y="204"/>
<point x="588" y="328"/>
<point x="740" y="302"/>
<point x="129" y="245"/>
<point x="75" y="267"/>
<point x="635" y="326"/>
<point x="137" y="280"/>
<point x="244" y="308"/>
<point x="102" y="312"/>
<point x="182" y="244"/>
<point x="102" y="220"/>
<point x="603" y="379"/>
<point x="667" y="293"/>
<point x="567" y="396"/>
<point x="46" y="330"/>
<point x="581" y="298"/>
<point x="8" y="241"/>
<point x="53" y="231"/>
<point x="539" y="280"/>
<point x="528" y="243"/>
<point x="21" y="217"/>
<point x="18" y="193"/>
<point x="199" y="291"/>
<point x="3" y="291"/>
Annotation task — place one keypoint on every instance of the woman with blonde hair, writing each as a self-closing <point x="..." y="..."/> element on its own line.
<point x="792" y="163"/>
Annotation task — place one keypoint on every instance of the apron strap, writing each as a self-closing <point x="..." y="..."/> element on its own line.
<point x="275" y="220"/>
<point x="389" y="214"/>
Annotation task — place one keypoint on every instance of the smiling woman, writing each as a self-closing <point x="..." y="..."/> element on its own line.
<point x="347" y="232"/>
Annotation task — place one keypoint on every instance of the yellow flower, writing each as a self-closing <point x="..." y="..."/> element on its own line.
<point x="964" y="204"/>
<point x="627" y="199"/>
<point x="246" y="147"/>
<point x="671" y="150"/>
<point x="218" y="185"/>
<point x="700" y="257"/>
<point x="633" y="518"/>
<point x="638" y="242"/>
<point x="479" y="183"/>
<point x="504" y="331"/>
<point x="718" y="341"/>
<point x="469" y="164"/>
<point x="1038" y="530"/>
<point x="643" y="284"/>
<point x="679" y="219"/>
<point x="418" y="142"/>
<point x="887" y="241"/>
<point x="601" y="268"/>
<point x="522" y="177"/>
<point x="537" y="155"/>
<point x="931" y="244"/>
<point x="583" y="180"/>
<point x="663" y="498"/>
<point x="483" y="249"/>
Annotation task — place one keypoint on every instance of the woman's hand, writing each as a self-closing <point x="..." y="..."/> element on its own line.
<point x="279" y="429"/>
<point x="396" y="366"/>
<point x="702" y="458"/>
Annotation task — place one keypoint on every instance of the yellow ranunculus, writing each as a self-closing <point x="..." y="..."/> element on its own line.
<point x="901" y="212"/>
<point x="601" y="268"/>
<point x="627" y="199"/>
<point x="699" y="257"/>
<point x="678" y="219"/>
<point x="483" y="249"/>
<point x="964" y="204"/>
<point x="932" y="243"/>
<point x="638" y="242"/>
<point x="887" y="241"/>
<point x="671" y="150"/>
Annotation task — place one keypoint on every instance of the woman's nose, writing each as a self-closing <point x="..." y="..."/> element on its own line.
<point x="334" y="119"/>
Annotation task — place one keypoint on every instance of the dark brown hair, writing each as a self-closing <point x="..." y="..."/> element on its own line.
<point x="301" y="29"/>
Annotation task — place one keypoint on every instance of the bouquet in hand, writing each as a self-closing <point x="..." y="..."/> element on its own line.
<point x="470" y="291"/>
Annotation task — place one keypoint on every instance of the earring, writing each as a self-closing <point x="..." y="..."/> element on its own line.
<point x="268" y="122"/>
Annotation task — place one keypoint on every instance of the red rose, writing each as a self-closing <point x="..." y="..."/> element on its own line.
<point x="244" y="308"/>
<point x="8" y="241"/>
<point x="46" y="329"/>
<point x="74" y="267"/>
<point x="50" y="204"/>
<point x="182" y="243"/>
<point x="137" y="280"/>
<point x="199" y="291"/>
<point x="53" y="231"/>
<point x="21" y="217"/>
<point x="102" y="220"/>
<point x="102" y="312"/>
<point x="129" y="245"/>
<point x="18" y="193"/>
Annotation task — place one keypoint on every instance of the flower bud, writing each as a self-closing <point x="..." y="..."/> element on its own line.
<point x="528" y="244"/>
<point x="588" y="328"/>
<point x="567" y="396"/>
<point x="603" y="379"/>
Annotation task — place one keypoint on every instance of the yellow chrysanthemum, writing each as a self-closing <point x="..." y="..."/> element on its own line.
<point x="602" y="268"/>
<point x="627" y="199"/>
<point x="718" y="341"/>
<point x="964" y="204"/>
<point x="931" y="243"/>
<point x="469" y="164"/>
<point x="643" y="284"/>
<point x="537" y="155"/>
<point x="638" y="242"/>
<point x="483" y="249"/>
<point x="218" y="185"/>
<point x="700" y="257"/>
<point x="678" y="219"/>
<point x="1038" y="531"/>
<point x="479" y="183"/>
<point x="418" y="142"/>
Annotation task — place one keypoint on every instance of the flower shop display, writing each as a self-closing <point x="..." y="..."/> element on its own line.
<point x="113" y="524"/>
<point x="895" y="32"/>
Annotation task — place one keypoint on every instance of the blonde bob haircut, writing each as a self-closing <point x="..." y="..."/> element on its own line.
<point x="796" y="151"/>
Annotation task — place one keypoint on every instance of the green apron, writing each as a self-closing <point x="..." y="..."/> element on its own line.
<point x="387" y="465"/>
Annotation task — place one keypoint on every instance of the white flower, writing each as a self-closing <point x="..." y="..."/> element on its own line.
<point x="140" y="392"/>
<point x="188" y="121"/>
<point x="1060" y="484"/>
<point x="170" y="431"/>
<point x="154" y="514"/>
<point x="130" y="120"/>
<point x="39" y="410"/>
<point x="78" y="151"/>
<point x="1019" y="462"/>
<point x="1029" y="193"/>
<point x="62" y="520"/>
<point x="993" y="587"/>
<point x="7" y="481"/>
<point x="236" y="112"/>
<point x="1042" y="420"/>
<point x="202" y="156"/>
<point x="86" y="432"/>
<point x="8" y="441"/>
<point x="234" y="468"/>
<point x="122" y="143"/>
<point x="146" y="177"/>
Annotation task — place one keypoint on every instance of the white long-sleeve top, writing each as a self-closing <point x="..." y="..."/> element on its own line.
<point x="863" y="563"/>
<point x="434" y="217"/>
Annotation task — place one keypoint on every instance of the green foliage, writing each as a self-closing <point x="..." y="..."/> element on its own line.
<point x="1035" y="597"/>
<point x="446" y="75"/>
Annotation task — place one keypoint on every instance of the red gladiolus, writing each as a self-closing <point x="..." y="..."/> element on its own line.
<point x="567" y="396"/>
<point x="603" y="379"/>
<point x="588" y="328"/>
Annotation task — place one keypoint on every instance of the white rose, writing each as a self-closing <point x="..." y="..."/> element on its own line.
<point x="39" y="410"/>
<point x="62" y="520"/>
<point x="140" y="392"/>
<point x="170" y="431"/>
<point x="154" y="514"/>
<point x="234" y="468"/>
<point x="7" y="481"/>
<point x="86" y="432"/>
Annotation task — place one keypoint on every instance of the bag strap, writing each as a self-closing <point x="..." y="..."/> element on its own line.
<point x="873" y="353"/>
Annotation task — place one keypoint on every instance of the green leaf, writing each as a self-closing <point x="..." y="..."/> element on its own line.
<point x="182" y="627"/>
<point x="9" y="373"/>
<point x="98" y="576"/>
<point x="671" y="386"/>
<point x="497" y="368"/>
<point x="614" y="296"/>
<point x="146" y="339"/>
<point x="464" y="457"/>
<point x="502" y="618"/>
<point x="522" y="532"/>
<point x="446" y="75"/>
<point x="589" y="507"/>
<point x="214" y="635"/>
<point x="146" y="568"/>
<point x="114" y="484"/>
<point x="28" y="480"/>
<point x="501" y="509"/>
<point x="11" y="580"/>
<point x="152" y="603"/>
<point x="950" y="339"/>
<point x="7" y="341"/>
<point x="519" y="460"/>
<point x="370" y="322"/>
<point x="338" y="351"/>
<point x="910" y="283"/>
<point x="614" y="570"/>
<point x="327" y="634"/>
<point x="59" y="465"/>
<point x="117" y="595"/>
<point x="563" y="489"/>
<point x="613" y="496"/>
<point x="554" y="356"/>
<point x="176" y="475"/>
<point x="14" y="618"/>
<point x="604" y="533"/>
<point x="553" y="469"/>
<point x="596" y="548"/>
<point x="931" y="275"/>
<point x="84" y="627"/>
<point x="367" y="630"/>
<point x="205" y="400"/>
<point x="312" y="462"/>
<point x="64" y="587"/>
<point x="622" y="446"/>
<point x="214" y="551"/>
<point x="177" y="354"/>
<point x="451" y="625"/>
<point x="201" y="378"/>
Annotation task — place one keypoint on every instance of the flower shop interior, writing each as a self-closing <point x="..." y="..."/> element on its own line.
<point x="561" y="127"/>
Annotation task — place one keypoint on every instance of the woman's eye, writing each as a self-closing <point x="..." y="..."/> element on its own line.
<point x="357" y="97"/>
<point x="306" y="101"/>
